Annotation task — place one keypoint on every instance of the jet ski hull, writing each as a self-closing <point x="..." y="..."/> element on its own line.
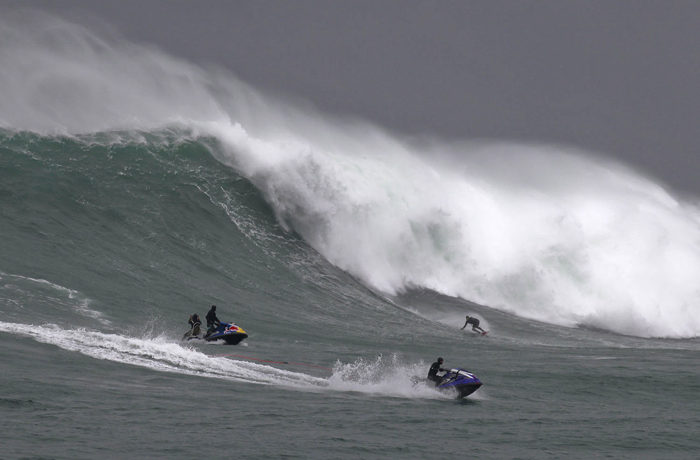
<point x="465" y="390"/>
<point x="230" y="339"/>
<point x="228" y="332"/>
<point x="460" y="381"/>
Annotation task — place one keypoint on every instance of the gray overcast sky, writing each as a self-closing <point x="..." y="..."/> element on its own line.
<point x="618" y="77"/>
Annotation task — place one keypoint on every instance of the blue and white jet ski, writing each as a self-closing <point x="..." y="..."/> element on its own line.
<point x="460" y="381"/>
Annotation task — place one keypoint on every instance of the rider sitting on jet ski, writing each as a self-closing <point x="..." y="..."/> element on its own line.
<point x="434" y="369"/>
<point x="212" y="320"/>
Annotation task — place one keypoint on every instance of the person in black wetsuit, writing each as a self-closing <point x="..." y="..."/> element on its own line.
<point x="194" y="323"/>
<point x="475" y="324"/>
<point x="194" y="320"/>
<point x="434" y="369"/>
<point x="212" y="320"/>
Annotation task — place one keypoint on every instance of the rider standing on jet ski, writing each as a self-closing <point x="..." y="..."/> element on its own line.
<point x="212" y="320"/>
<point x="434" y="369"/>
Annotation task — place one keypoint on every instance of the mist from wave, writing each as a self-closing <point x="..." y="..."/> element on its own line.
<point x="545" y="232"/>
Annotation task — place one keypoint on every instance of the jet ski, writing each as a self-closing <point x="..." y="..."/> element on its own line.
<point x="228" y="332"/>
<point x="459" y="380"/>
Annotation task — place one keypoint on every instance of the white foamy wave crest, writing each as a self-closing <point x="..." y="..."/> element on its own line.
<point x="563" y="238"/>
<point x="548" y="233"/>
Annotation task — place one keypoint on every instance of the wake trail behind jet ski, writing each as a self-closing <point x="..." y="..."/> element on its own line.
<point x="272" y="361"/>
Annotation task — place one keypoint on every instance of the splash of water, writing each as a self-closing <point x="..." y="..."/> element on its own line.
<point x="384" y="376"/>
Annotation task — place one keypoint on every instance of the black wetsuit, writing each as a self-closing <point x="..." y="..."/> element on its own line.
<point x="194" y="319"/>
<point x="212" y="321"/>
<point x="195" y="323"/>
<point x="432" y="373"/>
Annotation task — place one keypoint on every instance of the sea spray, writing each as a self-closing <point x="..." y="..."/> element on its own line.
<point x="388" y="376"/>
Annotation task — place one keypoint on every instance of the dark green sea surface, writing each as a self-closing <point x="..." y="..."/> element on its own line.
<point x="108" y="244"/>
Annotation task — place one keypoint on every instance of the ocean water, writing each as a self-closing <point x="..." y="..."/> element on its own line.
<point x="137" y="189"/>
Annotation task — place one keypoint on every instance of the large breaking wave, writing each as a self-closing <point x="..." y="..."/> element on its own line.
<point x="549" y="233"/>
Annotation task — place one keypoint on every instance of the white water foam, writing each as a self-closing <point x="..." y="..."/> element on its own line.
<point x="548" y="233"/>
<point x="159" y="354"/>
<point x="578" y="241"/>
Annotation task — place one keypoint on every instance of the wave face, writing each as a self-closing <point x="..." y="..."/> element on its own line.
<point x="120" y="158"/>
